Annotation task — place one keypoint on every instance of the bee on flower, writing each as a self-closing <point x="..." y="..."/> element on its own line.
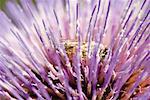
<point x="75" y="50"/>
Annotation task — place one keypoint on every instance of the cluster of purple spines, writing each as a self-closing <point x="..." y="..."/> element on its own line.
<point x="38" y="59"/>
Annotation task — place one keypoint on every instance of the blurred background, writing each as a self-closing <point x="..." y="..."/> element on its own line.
<point x="2" y="4"/>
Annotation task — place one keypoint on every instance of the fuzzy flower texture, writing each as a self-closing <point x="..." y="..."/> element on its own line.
<point x="75" y="50"/>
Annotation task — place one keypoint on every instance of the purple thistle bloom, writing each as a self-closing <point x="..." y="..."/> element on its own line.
<point x="75" y="50"/>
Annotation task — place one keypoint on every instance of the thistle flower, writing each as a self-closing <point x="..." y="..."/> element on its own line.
<point x="75" y="50"/>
